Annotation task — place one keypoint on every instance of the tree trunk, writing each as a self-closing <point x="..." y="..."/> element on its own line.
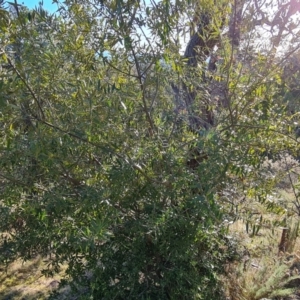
<point x="200" y="46"/>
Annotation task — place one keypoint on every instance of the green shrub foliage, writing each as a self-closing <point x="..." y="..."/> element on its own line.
<point x="98" y="168"/>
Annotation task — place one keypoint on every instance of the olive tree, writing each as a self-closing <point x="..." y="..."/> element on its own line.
<point x="124" y="158"/>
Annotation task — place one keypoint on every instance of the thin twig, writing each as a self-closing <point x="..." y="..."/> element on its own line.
<point x="34" y="96"/>
<point x="142" y="87"/>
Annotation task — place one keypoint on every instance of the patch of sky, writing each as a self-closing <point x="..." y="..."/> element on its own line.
<point x="47" y="4"/>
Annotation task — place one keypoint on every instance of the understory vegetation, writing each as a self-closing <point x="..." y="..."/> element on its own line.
<point x="149" y="150"/>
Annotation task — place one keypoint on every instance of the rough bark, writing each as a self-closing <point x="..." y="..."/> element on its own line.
<point x="200" y="46"/>
<point x="235" y="22"/>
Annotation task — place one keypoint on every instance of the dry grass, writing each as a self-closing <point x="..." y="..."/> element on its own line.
<point x="24" y="281"/>
<point x="260" y="278"/>
<point x="265" y="272"/>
